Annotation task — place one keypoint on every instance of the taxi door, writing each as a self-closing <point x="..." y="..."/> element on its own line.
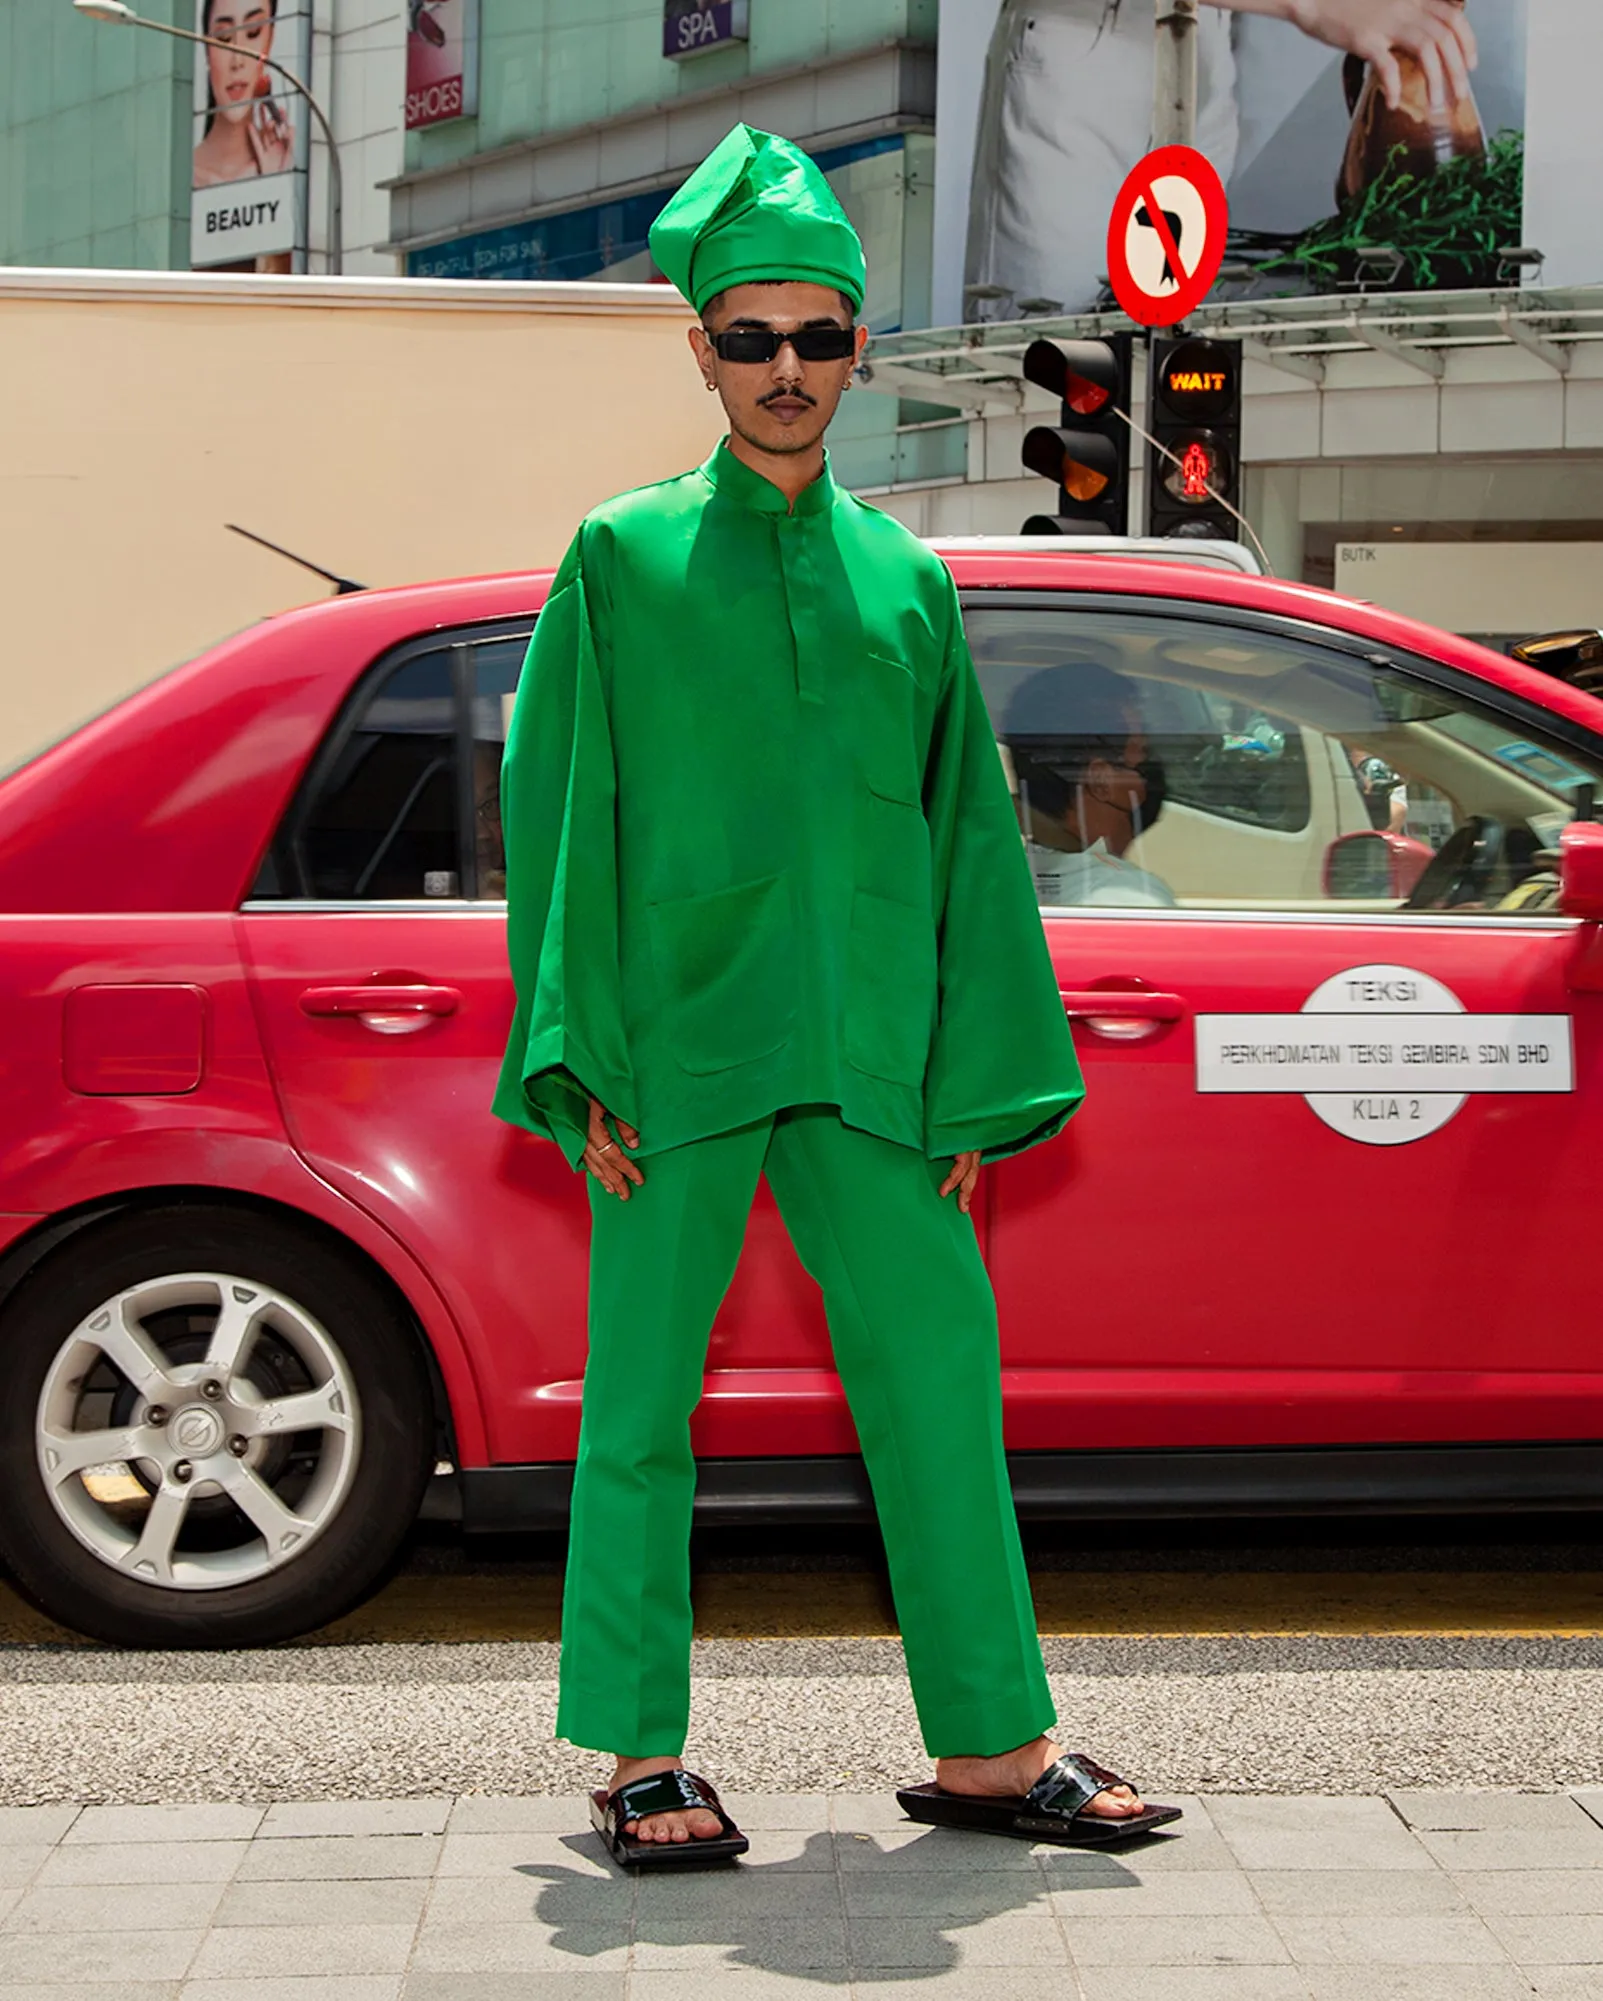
<point x="375" y="942"/>
<point x="1338" y="1044"/>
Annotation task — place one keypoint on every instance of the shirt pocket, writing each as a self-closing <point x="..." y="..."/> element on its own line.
<point x="893" y="840"/>
<point x="727" y="973"/>
<point x="890" y="988"/>
<point x="886" y="727"/>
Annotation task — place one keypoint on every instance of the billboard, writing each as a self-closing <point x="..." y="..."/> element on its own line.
<point x="442" y="61"/>
<point x="1374" y="142"/>
<point x="248" y="173"/>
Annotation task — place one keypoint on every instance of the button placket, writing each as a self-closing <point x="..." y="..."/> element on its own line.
<point x="801" y="599"/>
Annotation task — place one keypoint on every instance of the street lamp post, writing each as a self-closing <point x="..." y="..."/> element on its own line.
<point x="117" y="10"/>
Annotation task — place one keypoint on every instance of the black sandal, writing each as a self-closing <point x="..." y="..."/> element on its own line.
<point x="663" y="1792"/>
<point x="1054" y="1809"/>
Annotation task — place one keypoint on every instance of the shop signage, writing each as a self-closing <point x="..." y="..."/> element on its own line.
<point x="442" y="61"/>
<point x="691" y="27"/>
<point x="1384" y="1054"/>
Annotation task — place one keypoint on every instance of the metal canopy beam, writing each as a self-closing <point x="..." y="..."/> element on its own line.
<point x="1423" y="359"/>
<point x="1308" y="366"/>
<point x="994" y="395"/>
<point x="1525" y="336"/>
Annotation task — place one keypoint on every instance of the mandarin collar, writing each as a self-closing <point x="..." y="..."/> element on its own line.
<point x="734" y="480"/>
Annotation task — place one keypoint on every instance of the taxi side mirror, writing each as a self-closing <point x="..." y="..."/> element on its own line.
<point x="1374" y="865"/>
<point x="1580" y="871"/>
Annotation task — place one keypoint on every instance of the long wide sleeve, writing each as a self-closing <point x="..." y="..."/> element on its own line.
<point x="559" y="818"/>
<point x="1003" y="1074"/>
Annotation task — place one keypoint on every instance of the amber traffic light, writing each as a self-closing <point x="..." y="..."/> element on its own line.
<point x="1195" y="416"/>
<point x="1087" y="453"/>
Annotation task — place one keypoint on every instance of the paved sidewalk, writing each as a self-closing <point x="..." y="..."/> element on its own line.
<point x="1414" y="1897"/>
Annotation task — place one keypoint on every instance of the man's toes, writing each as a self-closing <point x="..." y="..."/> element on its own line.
<point x="674" y="1827"/>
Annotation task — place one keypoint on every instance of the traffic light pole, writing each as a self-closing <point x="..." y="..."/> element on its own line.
<point x="1174" y="96"/>
<point x="1174" y="123"/>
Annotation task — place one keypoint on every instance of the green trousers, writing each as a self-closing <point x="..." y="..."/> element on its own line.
<point x="913" y="1324"/>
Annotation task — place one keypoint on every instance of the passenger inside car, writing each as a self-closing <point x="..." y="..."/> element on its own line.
<point x="1086" y="785"/>
<point x="1295" y="776"/>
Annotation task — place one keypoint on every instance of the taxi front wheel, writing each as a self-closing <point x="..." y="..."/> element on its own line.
<point x="216" y="1430"/>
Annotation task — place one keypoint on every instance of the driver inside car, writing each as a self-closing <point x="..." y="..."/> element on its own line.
<point x="1086" y="784"/>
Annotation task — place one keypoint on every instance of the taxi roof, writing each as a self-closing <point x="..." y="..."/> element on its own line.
<point x="1031" y="563"/>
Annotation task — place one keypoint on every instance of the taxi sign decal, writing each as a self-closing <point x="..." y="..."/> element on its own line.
<point x="1384" y="1054"/>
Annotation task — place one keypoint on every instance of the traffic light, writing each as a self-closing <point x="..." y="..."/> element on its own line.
<point x="1087" y="456"/>
<point x="1195" y="417"/>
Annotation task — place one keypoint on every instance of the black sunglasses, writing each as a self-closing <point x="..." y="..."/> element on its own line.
<point x="757" y="344"/>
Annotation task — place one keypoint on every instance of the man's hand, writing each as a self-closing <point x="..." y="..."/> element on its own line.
<point x="964" y="1176"/>
<point x="603" y="1156"/>
<point x="1434" y="32"/>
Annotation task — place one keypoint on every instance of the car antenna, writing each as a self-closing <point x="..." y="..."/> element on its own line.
<point x="343" y="586"/>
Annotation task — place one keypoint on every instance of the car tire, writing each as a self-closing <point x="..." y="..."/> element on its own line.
<point x="300" y="1522"/>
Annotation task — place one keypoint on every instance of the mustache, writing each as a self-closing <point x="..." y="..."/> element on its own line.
<point x="786" y="396"/>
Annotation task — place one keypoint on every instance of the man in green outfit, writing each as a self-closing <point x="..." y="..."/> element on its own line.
<point x="769" y="913"/>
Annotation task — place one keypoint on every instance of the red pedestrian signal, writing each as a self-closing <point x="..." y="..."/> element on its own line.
<point x="1195" y="417"/>
<point x="1196" y="469"/>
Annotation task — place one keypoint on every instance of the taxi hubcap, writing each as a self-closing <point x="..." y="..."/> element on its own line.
<point x="195" y="1474"/>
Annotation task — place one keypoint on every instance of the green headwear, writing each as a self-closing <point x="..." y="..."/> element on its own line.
<point x="756" y="208"/>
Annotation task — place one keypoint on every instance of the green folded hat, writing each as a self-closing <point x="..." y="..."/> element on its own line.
<point x="756" y="208"/>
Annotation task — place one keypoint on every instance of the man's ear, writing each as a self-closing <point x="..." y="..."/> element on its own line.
<point x="701" y="348"/>
<point x="1098" y="779"/>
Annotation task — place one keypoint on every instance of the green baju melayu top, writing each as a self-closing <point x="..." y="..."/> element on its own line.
<point x="760" y="846"/>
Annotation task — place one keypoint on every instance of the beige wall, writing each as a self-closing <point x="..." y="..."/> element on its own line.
<point x="1479" y="586"/>
<point x="390" y="430"/>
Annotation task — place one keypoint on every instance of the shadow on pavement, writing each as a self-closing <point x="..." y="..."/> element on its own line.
<point x="840" y="1904"/>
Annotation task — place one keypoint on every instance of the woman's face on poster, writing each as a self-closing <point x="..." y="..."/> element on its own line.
<point x="237" y="74"/>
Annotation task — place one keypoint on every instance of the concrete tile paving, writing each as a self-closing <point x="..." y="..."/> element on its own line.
<point x="1420" y="1896"/>
<point x="293" y="1987"/>
<point x="98" y="1990"/>
<point x="292" y="1819"/>
<point x="20" y="1865"/>
<point x="115" y="1907"/>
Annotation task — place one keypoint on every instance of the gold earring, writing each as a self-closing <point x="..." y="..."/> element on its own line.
<point x="712" y="385"/>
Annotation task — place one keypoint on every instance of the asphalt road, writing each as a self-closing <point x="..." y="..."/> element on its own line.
<point x="1314" y="1658"/>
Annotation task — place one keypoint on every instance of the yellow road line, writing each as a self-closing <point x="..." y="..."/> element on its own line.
<point x="1158" y="1604"/>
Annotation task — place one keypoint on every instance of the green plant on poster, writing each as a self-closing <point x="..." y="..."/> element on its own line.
<point x="1447" y="226"/>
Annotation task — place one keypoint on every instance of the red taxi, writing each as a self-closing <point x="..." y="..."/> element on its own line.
<point x="267" y="1262"/>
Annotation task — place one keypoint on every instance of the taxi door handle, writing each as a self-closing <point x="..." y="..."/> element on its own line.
<point x="1123" y="1014"/>
<point x="393" y="1009"/>
<point x="1131" y="1004"/>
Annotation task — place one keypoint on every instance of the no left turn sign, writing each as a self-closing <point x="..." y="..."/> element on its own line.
<point x="1166" y="237"/>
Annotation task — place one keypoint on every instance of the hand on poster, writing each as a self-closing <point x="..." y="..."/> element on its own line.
<point x="271" y="138"/>
<point x="1435" y="33"/>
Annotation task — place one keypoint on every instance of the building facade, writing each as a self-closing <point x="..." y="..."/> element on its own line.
<point x="100" y="124"/>
<point x="589" y="118"/>
<point x="547" y="135"/>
